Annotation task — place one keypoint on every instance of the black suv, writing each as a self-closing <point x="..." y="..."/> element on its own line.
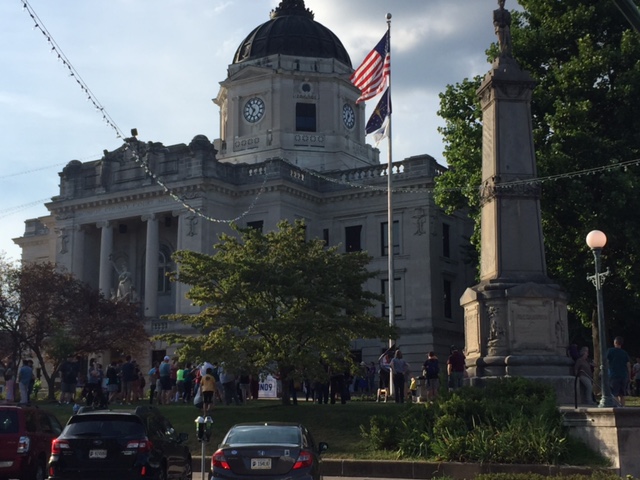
<point x="122" y="445"/>
<point x="25" y="441"/>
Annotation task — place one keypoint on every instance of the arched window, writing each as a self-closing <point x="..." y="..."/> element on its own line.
<point x="164" y="266"/>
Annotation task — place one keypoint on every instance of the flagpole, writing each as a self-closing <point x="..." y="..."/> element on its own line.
<point x="391" y="269"/>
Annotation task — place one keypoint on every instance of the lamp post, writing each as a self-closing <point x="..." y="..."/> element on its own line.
<point x="596" y="240"/>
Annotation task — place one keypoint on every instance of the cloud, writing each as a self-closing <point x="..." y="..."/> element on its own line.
<point x="156" y="65"/>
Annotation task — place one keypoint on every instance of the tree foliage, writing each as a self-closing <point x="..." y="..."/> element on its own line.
<point x="586" y="61"/>
<point x="277" y="303"/>
<point x="50" y="314"/>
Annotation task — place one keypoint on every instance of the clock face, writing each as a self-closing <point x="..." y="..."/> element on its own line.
<point x="253" y="110"/>
<point x="348" y="116"/>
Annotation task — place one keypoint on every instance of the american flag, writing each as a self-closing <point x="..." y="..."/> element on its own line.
<point x="373" y="75"/>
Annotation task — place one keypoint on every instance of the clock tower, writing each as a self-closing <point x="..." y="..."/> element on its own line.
<point x="288" y="95"/>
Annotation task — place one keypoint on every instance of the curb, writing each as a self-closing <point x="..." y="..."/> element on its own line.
<point x="425" y="470"/>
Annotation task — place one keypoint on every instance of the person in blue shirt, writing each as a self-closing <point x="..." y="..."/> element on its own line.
<point x="619" y="369"/>
<point x="25" y="376"/>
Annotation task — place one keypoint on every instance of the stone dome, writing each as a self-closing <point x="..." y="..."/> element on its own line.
<point x="291" y="31"/>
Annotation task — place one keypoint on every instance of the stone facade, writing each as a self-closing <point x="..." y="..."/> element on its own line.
<point x="291" y="146"/>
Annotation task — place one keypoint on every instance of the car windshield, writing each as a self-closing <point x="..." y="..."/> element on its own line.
<point x="8" y="421"/>
<point x="106" y="426"/>
<point x="263" y="434"/>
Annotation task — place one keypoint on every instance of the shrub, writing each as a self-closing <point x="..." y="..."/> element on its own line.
<point x="511" y="420"/>
<point x="382" y="434"/>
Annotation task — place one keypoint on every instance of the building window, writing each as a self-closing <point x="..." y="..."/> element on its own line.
<point x="384" y="238"/>
<point x="352" y="238"/>
<point x="305" y="117"/>
<point x="164" y="267"/>
<point x="447" y="298"/>
<point x="258" y="224"/>
<point x="325" y="236"/>
<point x="384" y="289"/>
<point x="446" y="240"/>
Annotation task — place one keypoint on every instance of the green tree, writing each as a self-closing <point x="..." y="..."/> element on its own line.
<point x="50" y="314"/>
<point x="587" y="63"/>
<point x="277" y="303"/>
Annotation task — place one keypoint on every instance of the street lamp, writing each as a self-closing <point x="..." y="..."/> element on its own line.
<point x="596" y="240"/>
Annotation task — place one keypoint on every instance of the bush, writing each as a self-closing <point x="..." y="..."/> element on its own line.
<point x="383" y="433"/>
<point x="511" y="420"/>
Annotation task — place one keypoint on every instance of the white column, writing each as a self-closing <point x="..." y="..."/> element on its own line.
<point x="77" y="252"/>
<point x="106" y="249"/>
<point x="151" y="267"/>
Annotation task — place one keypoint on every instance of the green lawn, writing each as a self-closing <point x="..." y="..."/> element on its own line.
<point x="338" y="425"/>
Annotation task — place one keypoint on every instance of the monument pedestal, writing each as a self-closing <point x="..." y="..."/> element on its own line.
<point x="518" y="330"/>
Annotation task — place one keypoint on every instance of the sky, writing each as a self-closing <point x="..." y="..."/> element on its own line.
<point x="155" y="65"/>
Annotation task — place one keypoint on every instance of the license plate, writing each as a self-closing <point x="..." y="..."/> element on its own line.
<point x="97" y="454"/>
<point x="260" y="463"/>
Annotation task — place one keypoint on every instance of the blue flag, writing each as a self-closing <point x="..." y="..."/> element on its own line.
<point x="378" y="122"/>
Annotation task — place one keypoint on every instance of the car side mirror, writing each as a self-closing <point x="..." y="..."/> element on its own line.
<point x="183" y="437"/>
<point x="323" y="446"/>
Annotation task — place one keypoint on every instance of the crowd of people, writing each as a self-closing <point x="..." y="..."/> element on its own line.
<point x="395" y="373"/>
<point x="205" y="384"/>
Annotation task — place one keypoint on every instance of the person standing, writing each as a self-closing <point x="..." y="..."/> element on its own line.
<point x="399" y="368"/>
<point x="179" y="395"/>
<point x="431" y="373"/>
<point x="113" y="381"/>
<point x="619" y="370"/>
<point x="128" y="377"/>
<point x="455" y="368"/>
<point x="25" y="377"/>
<point x="68" y="379"/>
<point x="228" y="381"/>
<point x="154" y="379"/>
<point x="582" y="369"/>
<point x="208" y="388"/>
<point x="164" y="396"/>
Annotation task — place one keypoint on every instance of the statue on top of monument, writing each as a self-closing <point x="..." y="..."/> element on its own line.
<point x="502" y="24"/>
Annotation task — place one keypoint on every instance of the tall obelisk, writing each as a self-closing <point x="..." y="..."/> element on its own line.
<point x="516" y="317"/>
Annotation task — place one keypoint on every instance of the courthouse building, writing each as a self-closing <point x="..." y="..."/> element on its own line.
<point x="291" y="146"/>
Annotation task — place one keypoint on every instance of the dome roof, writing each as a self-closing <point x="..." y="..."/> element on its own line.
<point x="291" y="31"/>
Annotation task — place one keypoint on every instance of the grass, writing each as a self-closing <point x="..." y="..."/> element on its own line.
<point x="338" y="425"/>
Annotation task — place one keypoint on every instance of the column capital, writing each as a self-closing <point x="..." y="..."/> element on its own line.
<point x="149" y="216"/>
<point x="104" y="224"/>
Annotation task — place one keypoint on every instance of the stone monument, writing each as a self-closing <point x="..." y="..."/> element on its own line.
<point x="516" y="317"/>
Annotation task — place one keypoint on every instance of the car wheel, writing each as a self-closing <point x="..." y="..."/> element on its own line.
<point x="39" y="473"/>
<point x="162" y="473"/>
<point x="188" y="472"/>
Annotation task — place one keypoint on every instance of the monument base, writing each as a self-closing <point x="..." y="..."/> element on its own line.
<point x="518" y="329"/>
